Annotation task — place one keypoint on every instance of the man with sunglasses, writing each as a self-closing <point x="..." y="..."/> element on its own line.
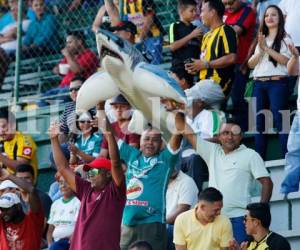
<point x="242" y="18"/>
<point x="68" y="117"/>
<point x="232" y="168"/>
<point x="257" y="222"/>
<point x="102" y="197"/>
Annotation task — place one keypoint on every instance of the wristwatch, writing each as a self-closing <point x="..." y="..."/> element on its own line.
<point x="206" y="64"/>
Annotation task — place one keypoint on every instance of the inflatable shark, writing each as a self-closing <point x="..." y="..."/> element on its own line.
<point x="125" y="71"/>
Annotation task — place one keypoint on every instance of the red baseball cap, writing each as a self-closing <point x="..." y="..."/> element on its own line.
<point x="99" y="163"/>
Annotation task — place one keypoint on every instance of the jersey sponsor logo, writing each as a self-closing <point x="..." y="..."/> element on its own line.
<point x="134" y="188"/>
<point x="27" y="151"/>
<point x="137" y="203"/>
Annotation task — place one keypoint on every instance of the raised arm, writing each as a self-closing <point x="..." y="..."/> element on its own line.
<point x="59" y="158"/>
<point x="112" y="11"/>
<point x="185" y="129"/>
<point x="109" y="133"/>
<point x="34" y="200"/>
<point x="98" y="19"/>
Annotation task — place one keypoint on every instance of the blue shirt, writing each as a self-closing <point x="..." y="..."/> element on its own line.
<point x="146" y="181"/>
<point x="91" y="145"/>
<point x="42" y="32"/>
<point x="7" y="19"/>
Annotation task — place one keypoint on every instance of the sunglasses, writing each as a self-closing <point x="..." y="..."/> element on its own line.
<point x="92" y="172"/>
<point x="74" y="89"/>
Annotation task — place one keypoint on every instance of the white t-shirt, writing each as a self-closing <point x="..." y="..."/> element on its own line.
<point x="234" y="174"/>
<point x="265" y="67"/>
<point x="63" y="216"/>
<point x="202" y="124"/>
<point x="181" y="190"/>
<point x="291" y="9"/>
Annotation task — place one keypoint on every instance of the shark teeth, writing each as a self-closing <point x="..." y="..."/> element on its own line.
<point x="107" y="52"/>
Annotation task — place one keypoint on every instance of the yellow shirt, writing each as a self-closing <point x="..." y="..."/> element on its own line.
<point x="189" y="232"/>
<point x="22" y="146"/>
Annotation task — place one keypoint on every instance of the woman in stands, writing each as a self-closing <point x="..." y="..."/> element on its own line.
<point x="270" y="90"/>
<point x="87" y="144"/>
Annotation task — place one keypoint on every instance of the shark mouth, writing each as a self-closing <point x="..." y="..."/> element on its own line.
<point x="108" y="52"/>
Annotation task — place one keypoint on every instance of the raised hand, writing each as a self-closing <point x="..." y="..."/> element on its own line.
<point x="54" y="130"/>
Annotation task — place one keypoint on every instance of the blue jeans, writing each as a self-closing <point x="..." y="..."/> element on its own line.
<point x="54" y="91"/>
<point x="292" y="178"/>
<point x="152" y="48"/>
<point x="62" y="244"/>
<point x="238" y="228"/>
<point x="270" y="95"/>
<point x="240" y="106"/>
<point x="170" y="230"/>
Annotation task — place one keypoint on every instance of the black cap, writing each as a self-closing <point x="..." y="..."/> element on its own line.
<point x="119" y="99"/>
<point x="126" y="26"/>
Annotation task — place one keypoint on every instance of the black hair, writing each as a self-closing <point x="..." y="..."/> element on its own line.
<point x="260" y="211"/>
<point x="231" y="120"/>
<point x="210" y="194"/>
<point x="181" y="73"/>
<point x="93" y="129"/>
<point x="22" y="168"/>
<point x="183" y="4"/>
<point x="78" y="78"/>
<point x="4" y="113"/>
<point x="217" y="5"/>
<point x="79" y="35"/>
<point x="141" y="245"/>
<point x="7" y="115"/>
<point x="280" y="32"/>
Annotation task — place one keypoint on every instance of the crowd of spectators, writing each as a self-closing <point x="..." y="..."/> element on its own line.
<point x="115" y="189"/>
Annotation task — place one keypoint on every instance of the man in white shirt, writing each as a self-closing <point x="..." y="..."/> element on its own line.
<point x="233" y="168"/>
<point x="182" y="195"/>
<point x="205" y="123"/>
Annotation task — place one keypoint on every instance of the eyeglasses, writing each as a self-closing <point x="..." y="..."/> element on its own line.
<point x="82" y="122"/>
<point x="229" y="3"/>
<point x="74" y="89"/>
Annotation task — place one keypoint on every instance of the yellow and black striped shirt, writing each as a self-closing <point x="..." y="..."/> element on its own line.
<point x="216" y="44"/>
<point x="135" y="10"/>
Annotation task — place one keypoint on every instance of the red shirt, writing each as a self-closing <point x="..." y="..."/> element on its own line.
<point x="98" y="224"/>
<point x="26" y="235"/>
<point x="126" y="136"/>
<point x="87" y="60"/>
<point x="245" y="18"/>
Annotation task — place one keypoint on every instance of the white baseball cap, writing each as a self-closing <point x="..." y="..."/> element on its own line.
<point x="7" y="184"/>
<point x="8" y="200"/>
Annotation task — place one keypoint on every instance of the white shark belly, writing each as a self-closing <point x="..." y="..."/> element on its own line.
<point x="98" y="87"/>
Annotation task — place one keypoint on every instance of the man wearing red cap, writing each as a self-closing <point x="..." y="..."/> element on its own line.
<point x="102" y="197"/>
<point x="147" y="176"/>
